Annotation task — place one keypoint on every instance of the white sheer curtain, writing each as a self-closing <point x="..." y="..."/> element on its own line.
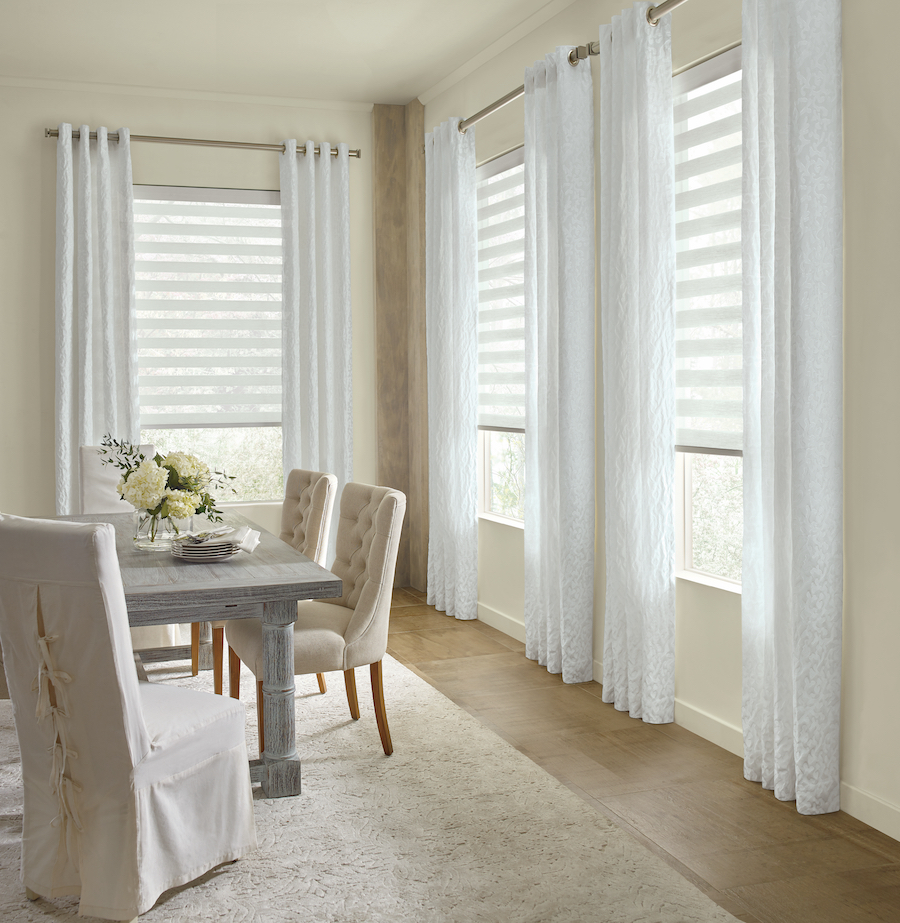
<point x="637" y="298"/>
<point x="451" y="314"/>
<point x="96" y="359"/>
<point x="559" y="366"/>
<point x="792" y="322"/>
<point x="317" y="408"/>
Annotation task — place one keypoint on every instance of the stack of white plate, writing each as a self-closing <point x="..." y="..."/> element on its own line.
<point x="204" y="552"/>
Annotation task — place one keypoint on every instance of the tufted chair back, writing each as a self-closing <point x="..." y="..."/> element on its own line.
<point x="368" y="537"/>
<point x="306" y="512"/>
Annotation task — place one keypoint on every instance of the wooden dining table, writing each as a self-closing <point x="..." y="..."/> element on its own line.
<point x="161" y="589"/>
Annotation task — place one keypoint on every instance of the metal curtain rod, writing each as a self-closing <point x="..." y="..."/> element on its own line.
<point x="245" y="145"/>
<point x="576" y="55"/>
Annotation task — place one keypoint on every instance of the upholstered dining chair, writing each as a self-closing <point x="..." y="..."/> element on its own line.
<point x="342" y="634"/>
<point x="99" y="485"/>
<point x="130" y="788"/>
<point x="305" y="525"/>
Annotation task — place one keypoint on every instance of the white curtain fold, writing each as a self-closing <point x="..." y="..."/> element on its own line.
<point x="792" y="254"/>
<point x="637" y="297"/>
<point x="451" y="311"/>
<point x="96" y="358"/>
<point x="559" y="366"/>
<point x="317" y="403"/>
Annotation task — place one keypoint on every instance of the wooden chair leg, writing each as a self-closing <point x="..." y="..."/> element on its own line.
<point x="322" y="687"/>
<point x="259" y="717"/>
<point x="195" y="648"/>
<point x="352" y="701"/>
<point x="380" y="714"/>
<point x="218" y="643"/>
<point x="234" y="674"/>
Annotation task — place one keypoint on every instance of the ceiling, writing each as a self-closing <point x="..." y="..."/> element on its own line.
<point x="371" y="51"/>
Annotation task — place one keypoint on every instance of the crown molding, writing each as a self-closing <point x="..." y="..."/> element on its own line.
<point x="288" y="102"/>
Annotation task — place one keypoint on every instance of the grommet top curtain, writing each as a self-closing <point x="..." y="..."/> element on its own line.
<point x="317" y="384"/>
<point x="559" y="366"/>
<point x="637" y="310"/>
<point x="792" y="251"/>
<point x="451" y="318"/>
<point x="96" y="359"/>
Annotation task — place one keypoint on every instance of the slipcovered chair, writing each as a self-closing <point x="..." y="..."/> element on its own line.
<point x="342" y="634"/>
<point x="99" y="485"/>
<point x="305" y="524"/>
<point x="130" y="788"/>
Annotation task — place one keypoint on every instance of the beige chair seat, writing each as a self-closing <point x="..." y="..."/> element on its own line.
<point x="318" y="638"/>
<point x="351" y="631"/>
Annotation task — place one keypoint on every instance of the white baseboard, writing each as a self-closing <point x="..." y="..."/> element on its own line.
<point x="709" y="727"/>
<point x="502" y="622"/>
<point x="871" y="810"/>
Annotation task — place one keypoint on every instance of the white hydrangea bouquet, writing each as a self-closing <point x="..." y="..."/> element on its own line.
<point x="164" y="490"/>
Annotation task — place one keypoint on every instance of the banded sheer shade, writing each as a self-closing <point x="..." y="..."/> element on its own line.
<point x="708" y="346"/>
<point x="501" y="293"/>
<point x="208" y="306"/>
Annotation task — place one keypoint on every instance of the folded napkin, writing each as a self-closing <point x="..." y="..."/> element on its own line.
<point x="244" y="538"/>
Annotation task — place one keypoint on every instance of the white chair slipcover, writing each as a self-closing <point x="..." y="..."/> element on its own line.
<point x="352" y="631"/>
<point x="99" y="485"/>
<point x="130" y="788"/>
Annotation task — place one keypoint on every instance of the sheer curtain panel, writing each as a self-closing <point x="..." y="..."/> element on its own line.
<point x="792" y="320"/>
<point x="96" y="377"/>
<point x="451" y="316"/>
<point x="559" y="366"/>
<point x="317" y="401"/>
<point x="637" y="299"/>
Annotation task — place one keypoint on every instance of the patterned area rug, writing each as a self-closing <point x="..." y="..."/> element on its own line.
<point x="456" y="826"/>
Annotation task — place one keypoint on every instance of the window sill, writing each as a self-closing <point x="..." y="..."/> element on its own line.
<point x="502" y="520"/>
<point x="708" y="580"/>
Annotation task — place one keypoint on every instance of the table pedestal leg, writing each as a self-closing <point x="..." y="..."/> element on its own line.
<point x="280" y="761"/>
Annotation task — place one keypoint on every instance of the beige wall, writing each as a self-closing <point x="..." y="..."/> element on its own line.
<point x="708" y="660"/>
<point x="27" y="237"/>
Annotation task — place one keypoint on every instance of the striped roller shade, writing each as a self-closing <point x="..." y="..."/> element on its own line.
<point x="708" y="243"/>
<point x="208" y="301"/>
<point x="501" y="293"/>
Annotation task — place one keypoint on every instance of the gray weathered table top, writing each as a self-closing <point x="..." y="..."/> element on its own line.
<point x="274" y="571"/>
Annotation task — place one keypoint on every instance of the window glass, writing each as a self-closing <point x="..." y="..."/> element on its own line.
<point x="504" y="460"/>
<point x="716" y="515"/>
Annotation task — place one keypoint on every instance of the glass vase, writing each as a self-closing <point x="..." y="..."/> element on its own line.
<point x="153" y="532"/>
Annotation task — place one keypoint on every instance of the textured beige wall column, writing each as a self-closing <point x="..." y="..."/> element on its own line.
<point x="391" y="323"/>
<point x="417" y="508"/>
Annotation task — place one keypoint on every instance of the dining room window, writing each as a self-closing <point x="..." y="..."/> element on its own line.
<point x="501" y="335"/>
<point x="709" y="345"/>
<point x="208" y="317"/>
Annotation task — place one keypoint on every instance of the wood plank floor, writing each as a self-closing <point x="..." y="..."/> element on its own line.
<point x="684" y="798"/>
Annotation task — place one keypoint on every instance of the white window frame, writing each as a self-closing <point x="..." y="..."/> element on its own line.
<point x="214" y="196"/>
<point x="489" y="168"/>
<point x="706" y="72"/>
